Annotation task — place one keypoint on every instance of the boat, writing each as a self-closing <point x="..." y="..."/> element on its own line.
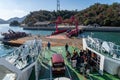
<point x="36" y="61"/>
<point x="11" y="35"/>
<point x="107" y="55"/>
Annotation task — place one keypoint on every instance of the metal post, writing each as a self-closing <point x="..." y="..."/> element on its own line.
<point x="58" y="5"/>
<point x="36" y="70"/>
<point x="56" y="26"/>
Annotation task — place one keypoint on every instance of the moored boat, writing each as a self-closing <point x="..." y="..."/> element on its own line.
<point x="11" y="35"/>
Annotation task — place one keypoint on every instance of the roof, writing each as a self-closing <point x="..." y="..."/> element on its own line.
<point x="57" y="58"/>
<point x="42" y="23"/>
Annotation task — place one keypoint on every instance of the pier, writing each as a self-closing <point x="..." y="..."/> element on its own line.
<point x="17" y="42"/>
<point x="100" y="29"/>
<point x="46" y="28"/>
<point x="83" y="28"/>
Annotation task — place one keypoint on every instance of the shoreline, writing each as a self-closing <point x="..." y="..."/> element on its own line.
<point x="83" y="28"/>
<point x="46" y="28"/>
<point x="101" y="29"/>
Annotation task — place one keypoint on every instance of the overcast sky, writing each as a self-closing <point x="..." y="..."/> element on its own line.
<point x="20" y="8"/>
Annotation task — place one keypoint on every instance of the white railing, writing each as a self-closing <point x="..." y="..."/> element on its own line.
<point x="103" y="47"/>
<point x="25" y="54"/>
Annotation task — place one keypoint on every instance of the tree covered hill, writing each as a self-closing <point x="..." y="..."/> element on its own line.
<point x="102" y="14"/>
<point x="44" y="15"/>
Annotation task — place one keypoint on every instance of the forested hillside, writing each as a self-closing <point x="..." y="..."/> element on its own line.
<point x="102" y="14"/>
<point x="44" y="15"/>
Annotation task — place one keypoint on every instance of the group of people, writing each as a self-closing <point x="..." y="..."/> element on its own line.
<point x="79" y="59"/>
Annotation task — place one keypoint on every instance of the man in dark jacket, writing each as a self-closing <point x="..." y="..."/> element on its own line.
<point x="66" y="47"/>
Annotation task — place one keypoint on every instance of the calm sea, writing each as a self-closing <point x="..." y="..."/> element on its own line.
<point x="107" y="36"/>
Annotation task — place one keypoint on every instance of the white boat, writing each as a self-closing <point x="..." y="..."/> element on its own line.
<point x="19" y="64"/>
<point x="108" y="53"/>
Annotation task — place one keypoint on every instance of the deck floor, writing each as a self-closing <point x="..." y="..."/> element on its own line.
<point x="46" y="64"/>
<point x="46" y="74"/>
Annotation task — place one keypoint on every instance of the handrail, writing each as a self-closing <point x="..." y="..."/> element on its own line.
<point x="110" y="49"/>
<point x="25" y="54"/>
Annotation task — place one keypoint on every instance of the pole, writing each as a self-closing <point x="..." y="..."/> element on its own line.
<point x="36" y="70"/>
<point x="56" y="27"/>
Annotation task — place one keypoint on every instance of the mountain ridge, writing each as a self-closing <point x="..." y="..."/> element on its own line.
<point x="2" y="21"/>
<point x="16" y="19"/>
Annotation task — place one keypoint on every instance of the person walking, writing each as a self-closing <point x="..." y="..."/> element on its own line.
<point x="66" y="47"/>
<point x="49" y="45"/>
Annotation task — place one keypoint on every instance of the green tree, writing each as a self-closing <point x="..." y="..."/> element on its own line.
<point x="14" y="23"/>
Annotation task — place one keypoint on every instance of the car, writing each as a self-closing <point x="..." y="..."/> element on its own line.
<point x="58" y="65"/>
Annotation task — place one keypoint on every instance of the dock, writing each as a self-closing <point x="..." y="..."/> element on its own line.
<point x="46" y="28"/>
<point x="17" y="42"/>
<point x="55" y="40"/>
<point x="100" y="29"/>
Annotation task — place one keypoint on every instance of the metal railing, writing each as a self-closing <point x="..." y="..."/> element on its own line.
<point x="25" y="54"/>
<point x="103" y="47"/>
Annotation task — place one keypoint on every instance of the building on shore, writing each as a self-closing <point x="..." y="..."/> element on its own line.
<point x="44" y="24"/>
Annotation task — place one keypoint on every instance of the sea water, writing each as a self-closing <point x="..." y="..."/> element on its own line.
<point x="106" y="36"/>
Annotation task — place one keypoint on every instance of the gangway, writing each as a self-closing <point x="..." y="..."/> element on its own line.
<point x="69" y="33"/>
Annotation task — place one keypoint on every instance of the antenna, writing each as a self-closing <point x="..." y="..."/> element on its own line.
<point x="58" y="5"/>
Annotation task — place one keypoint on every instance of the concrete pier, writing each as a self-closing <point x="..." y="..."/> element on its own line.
<point x="101" y="29"/>
<point x="46" y="28"/>
<point x="84" y="28"/>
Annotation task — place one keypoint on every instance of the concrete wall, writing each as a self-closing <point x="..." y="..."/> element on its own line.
<point x="47" y="28"/>
<point x="102" y="29"/>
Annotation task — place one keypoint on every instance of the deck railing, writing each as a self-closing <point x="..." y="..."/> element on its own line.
<point x="103" y="47"/>
<point x="25" y="54"/>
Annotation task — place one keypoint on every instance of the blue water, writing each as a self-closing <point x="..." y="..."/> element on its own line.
<point x="107" y="36"/>
<point x="6" y="27"/>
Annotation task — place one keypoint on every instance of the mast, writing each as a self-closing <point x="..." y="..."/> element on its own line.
<point x="58" y="5"/>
